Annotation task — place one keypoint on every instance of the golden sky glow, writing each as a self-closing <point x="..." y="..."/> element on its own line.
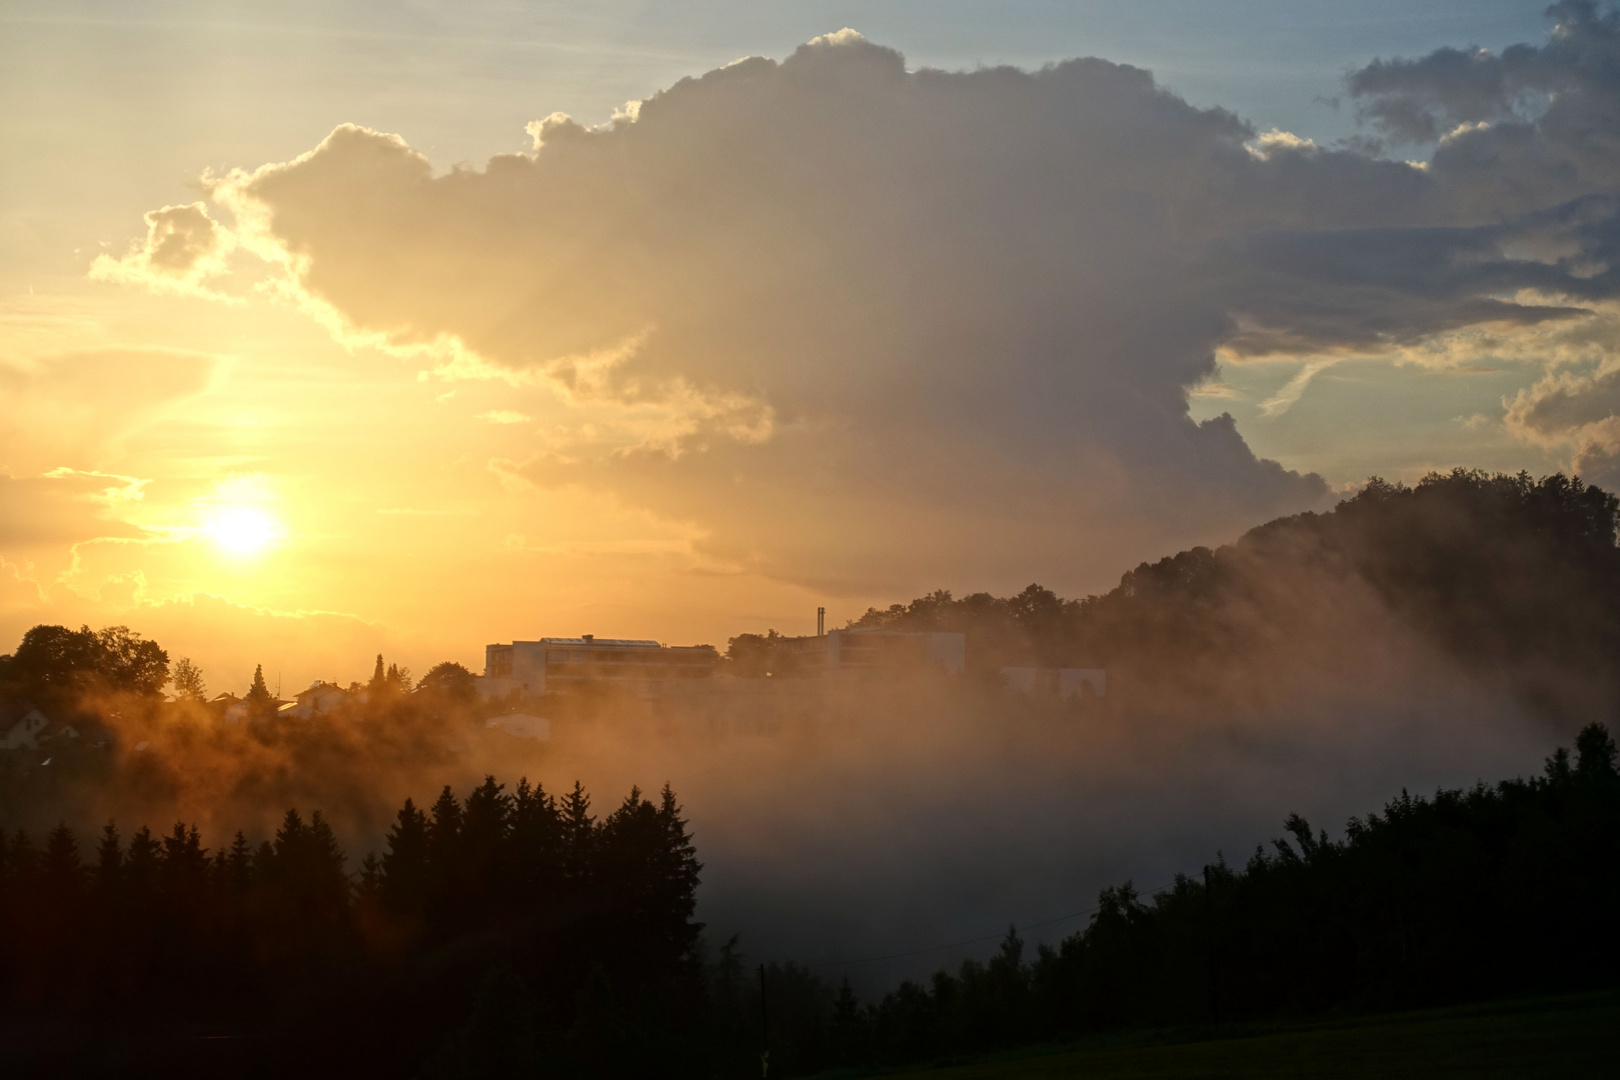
<point x="282" y="391"/>
<point x="244" y="531"/>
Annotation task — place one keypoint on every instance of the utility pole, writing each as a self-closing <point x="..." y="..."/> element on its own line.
<point x="764" y="1029"/>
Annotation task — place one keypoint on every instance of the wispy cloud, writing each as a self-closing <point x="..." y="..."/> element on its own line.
<point x="1292" y="390"/>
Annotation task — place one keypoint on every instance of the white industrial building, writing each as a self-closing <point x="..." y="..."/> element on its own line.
<point x="638" y="666"/>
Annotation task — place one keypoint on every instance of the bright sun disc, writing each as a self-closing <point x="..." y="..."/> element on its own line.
<point x="243" y="531"/>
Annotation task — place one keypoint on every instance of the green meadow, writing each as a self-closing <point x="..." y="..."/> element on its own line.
<point x="1567" y="1037"/>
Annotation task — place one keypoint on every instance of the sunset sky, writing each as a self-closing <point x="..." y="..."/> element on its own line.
<point x="331" y="328"/>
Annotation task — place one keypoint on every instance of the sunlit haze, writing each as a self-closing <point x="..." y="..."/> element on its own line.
<point x="243" y="531"/>
<point x="487" y="410"/>
<point x="581" y="509"/>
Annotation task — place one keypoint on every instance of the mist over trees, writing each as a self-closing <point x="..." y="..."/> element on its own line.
<point x="1514" y="581"/>
<point x="1489" y="892"/>
<point x="520" y="929"/>
<point x="58" y="664"/>
<point x="115" y="745"/>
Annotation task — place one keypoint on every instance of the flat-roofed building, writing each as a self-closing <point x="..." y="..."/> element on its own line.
<point x="551" y="664"/>
<point x="864" y="649"/>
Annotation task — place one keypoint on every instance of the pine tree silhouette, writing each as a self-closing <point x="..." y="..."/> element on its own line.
<point x="109" y="859"/>
<point x="404" y="885"/>
<point x="258" y="699"/>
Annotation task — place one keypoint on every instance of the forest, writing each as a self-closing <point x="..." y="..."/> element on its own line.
<point x="1513" y="581"/>
<point x="573" y="935"/>
<point x="515" y="931"/>
<point x="1497" y="891"/>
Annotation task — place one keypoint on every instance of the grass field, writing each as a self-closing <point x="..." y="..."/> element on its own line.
<point x="1573" y="1037"/>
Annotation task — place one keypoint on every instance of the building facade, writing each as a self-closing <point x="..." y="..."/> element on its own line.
<point x="860" y="650"/>
<point x="554" y="664"/>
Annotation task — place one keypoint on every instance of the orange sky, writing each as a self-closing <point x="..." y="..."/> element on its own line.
<point x="821" y="329"/>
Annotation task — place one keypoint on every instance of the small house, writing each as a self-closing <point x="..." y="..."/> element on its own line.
<point x="27" y="731"/>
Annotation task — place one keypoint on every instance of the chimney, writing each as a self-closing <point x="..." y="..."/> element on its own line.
<point x="587" y="638"/>
<point x="821" y="622"/>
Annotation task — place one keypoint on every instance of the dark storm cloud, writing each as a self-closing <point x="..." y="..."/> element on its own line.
<point x="1528" y="128"/>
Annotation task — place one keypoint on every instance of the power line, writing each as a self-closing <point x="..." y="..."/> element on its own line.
<point x="975" y="941"/>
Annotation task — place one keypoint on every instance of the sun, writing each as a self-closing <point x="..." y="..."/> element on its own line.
<point x="243" y="531"/>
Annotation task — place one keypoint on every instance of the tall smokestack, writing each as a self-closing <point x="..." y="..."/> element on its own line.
<point x="821" y="622"/>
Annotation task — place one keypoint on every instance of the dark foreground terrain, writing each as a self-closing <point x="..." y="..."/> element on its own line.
<point x="1568" y="1037"/>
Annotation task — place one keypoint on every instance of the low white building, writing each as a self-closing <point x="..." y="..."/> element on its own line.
<point x="1062" y="683"/>
<point x="637" y="665"/>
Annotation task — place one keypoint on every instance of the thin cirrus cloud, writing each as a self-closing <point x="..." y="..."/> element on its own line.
<point x="74" y="408"/>
<point x="844" y="305"/>
<point x="62" y="506"/>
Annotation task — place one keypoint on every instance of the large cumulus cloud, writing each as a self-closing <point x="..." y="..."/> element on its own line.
<point x="1526" y="150"/>
<point x="1526" y="128"/>
<point x="841" y="314"/>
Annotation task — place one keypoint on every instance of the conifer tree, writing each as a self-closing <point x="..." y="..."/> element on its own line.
<point x="263" y="862"/>
<point x="536" y="844"/>
<point x="290" y="837"/>
<point x="1595" y="752"/>
<point x="109" y="858"/>
<point x="142" y="863"/>
<point x="258" y="695"/>
<point x="578" y="837"/>
<point x="58" y="895"/>
<point x="405" y="862"/>
<point x="219" y="870"/>
<point x="445" y="862"/>
<point x="398" y="679"/>
<point x="184" y="873"/>
<point x="444" y="827"/>
<point x="239" y="864"/>
<point x="647" y="880"/>
<point x="370" y="888"/>
<point x="328" y="881"/>
<point x="848" y="1035"/>
<point x="60" y="860"/>
<point x="486" y="823"/>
